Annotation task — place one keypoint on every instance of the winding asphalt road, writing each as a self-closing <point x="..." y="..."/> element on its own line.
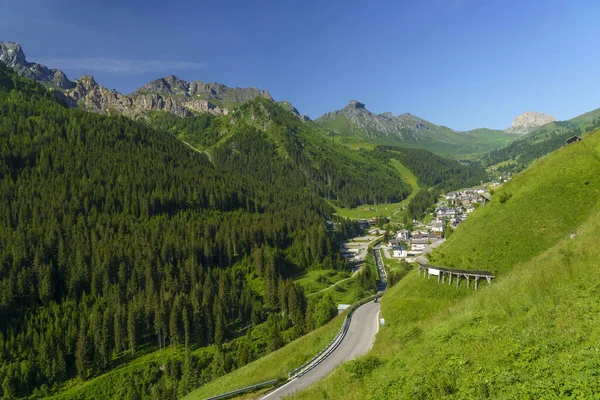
<point x="358" y="340"/>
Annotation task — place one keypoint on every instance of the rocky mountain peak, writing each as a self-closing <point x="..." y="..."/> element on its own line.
<point x="356" y="104"/>
<point x="88" y="81"/>
<point x="265" y="93"/>
<point x="11" y="54"/>
<point x="529" y="121"/>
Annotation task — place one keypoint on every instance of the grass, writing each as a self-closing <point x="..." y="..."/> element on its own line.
<point x="274" y="365"/>
<point x="392" y="210"/>
<point x="346" y="292"/>
<point x="110" y="384"/>
<point x="530" y="213"/>
<point x="532" y="334"/>
<point x="314" y="281"/>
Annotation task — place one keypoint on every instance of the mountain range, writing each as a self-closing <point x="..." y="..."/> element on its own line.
<point x="170" y="94"/>
<point x="353" y="125"/>
<point x="356" y="126"/>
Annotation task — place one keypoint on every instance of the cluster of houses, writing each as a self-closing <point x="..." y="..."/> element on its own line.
<point x="451" y="210"/>
<point x="409" y="244"/>
<point x="456" y="206"/>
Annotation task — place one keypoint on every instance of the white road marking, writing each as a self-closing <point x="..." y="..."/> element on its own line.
<point x="278" y="389"/>
<point x="377" y="320"/>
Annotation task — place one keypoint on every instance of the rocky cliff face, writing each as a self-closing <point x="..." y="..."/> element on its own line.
<point x="529" y="121"/>
<point x="12" y="55"/>
<point x="170" y="94"/>
<point x="97" y="98"/>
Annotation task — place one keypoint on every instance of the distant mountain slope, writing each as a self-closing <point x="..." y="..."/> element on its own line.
<point x="355" y="125"/>
<point x="347" y="177"/>
<point x="529" y="121"/>
<point x="522" y="152"/>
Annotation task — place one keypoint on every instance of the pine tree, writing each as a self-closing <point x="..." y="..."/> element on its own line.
<point x="82" y="361"/>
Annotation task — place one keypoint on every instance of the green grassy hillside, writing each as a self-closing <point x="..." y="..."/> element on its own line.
<point x="395" y="211"/>
<point x="532" y="334"/>
<point x="541" y="205"/>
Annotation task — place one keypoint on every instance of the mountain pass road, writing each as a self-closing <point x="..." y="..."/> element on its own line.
<point x="358" y="340"/>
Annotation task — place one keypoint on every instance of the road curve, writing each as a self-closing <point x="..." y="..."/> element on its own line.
<point x="358" y="340"/>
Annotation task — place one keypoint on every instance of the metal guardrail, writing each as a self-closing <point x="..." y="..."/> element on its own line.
<point x="243" y="390"/>
<point x="323" y="354"/>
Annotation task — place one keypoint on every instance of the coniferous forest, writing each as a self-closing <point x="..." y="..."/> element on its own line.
<point x="116" y="236"/>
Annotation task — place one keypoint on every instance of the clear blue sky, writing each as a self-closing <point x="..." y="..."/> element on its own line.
<point x="460" y="63"/>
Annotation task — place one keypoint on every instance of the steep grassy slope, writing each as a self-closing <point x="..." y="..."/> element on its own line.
<point x="532" y="334"/>
<point x="532" y="212"/>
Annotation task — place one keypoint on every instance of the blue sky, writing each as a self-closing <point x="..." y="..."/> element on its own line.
<point x="460" y="63"/>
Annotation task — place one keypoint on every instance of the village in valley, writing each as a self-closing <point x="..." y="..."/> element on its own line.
<point x="409" y="241"/>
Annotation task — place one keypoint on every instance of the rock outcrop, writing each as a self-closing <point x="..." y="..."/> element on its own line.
<point x="97" y="98"/>
<point x="288" y="106"/>
<point x="529" y="121"/>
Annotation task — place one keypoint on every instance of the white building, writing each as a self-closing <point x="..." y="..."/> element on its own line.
<point x="399" y="251"/>
<point x="437" y="226"/>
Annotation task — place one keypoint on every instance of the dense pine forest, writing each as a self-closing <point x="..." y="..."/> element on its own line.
<point x="116" y="236"/>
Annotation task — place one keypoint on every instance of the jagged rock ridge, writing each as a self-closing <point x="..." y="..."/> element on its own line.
<point x="170" y="94"/>
<point x="529" y="121"/>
